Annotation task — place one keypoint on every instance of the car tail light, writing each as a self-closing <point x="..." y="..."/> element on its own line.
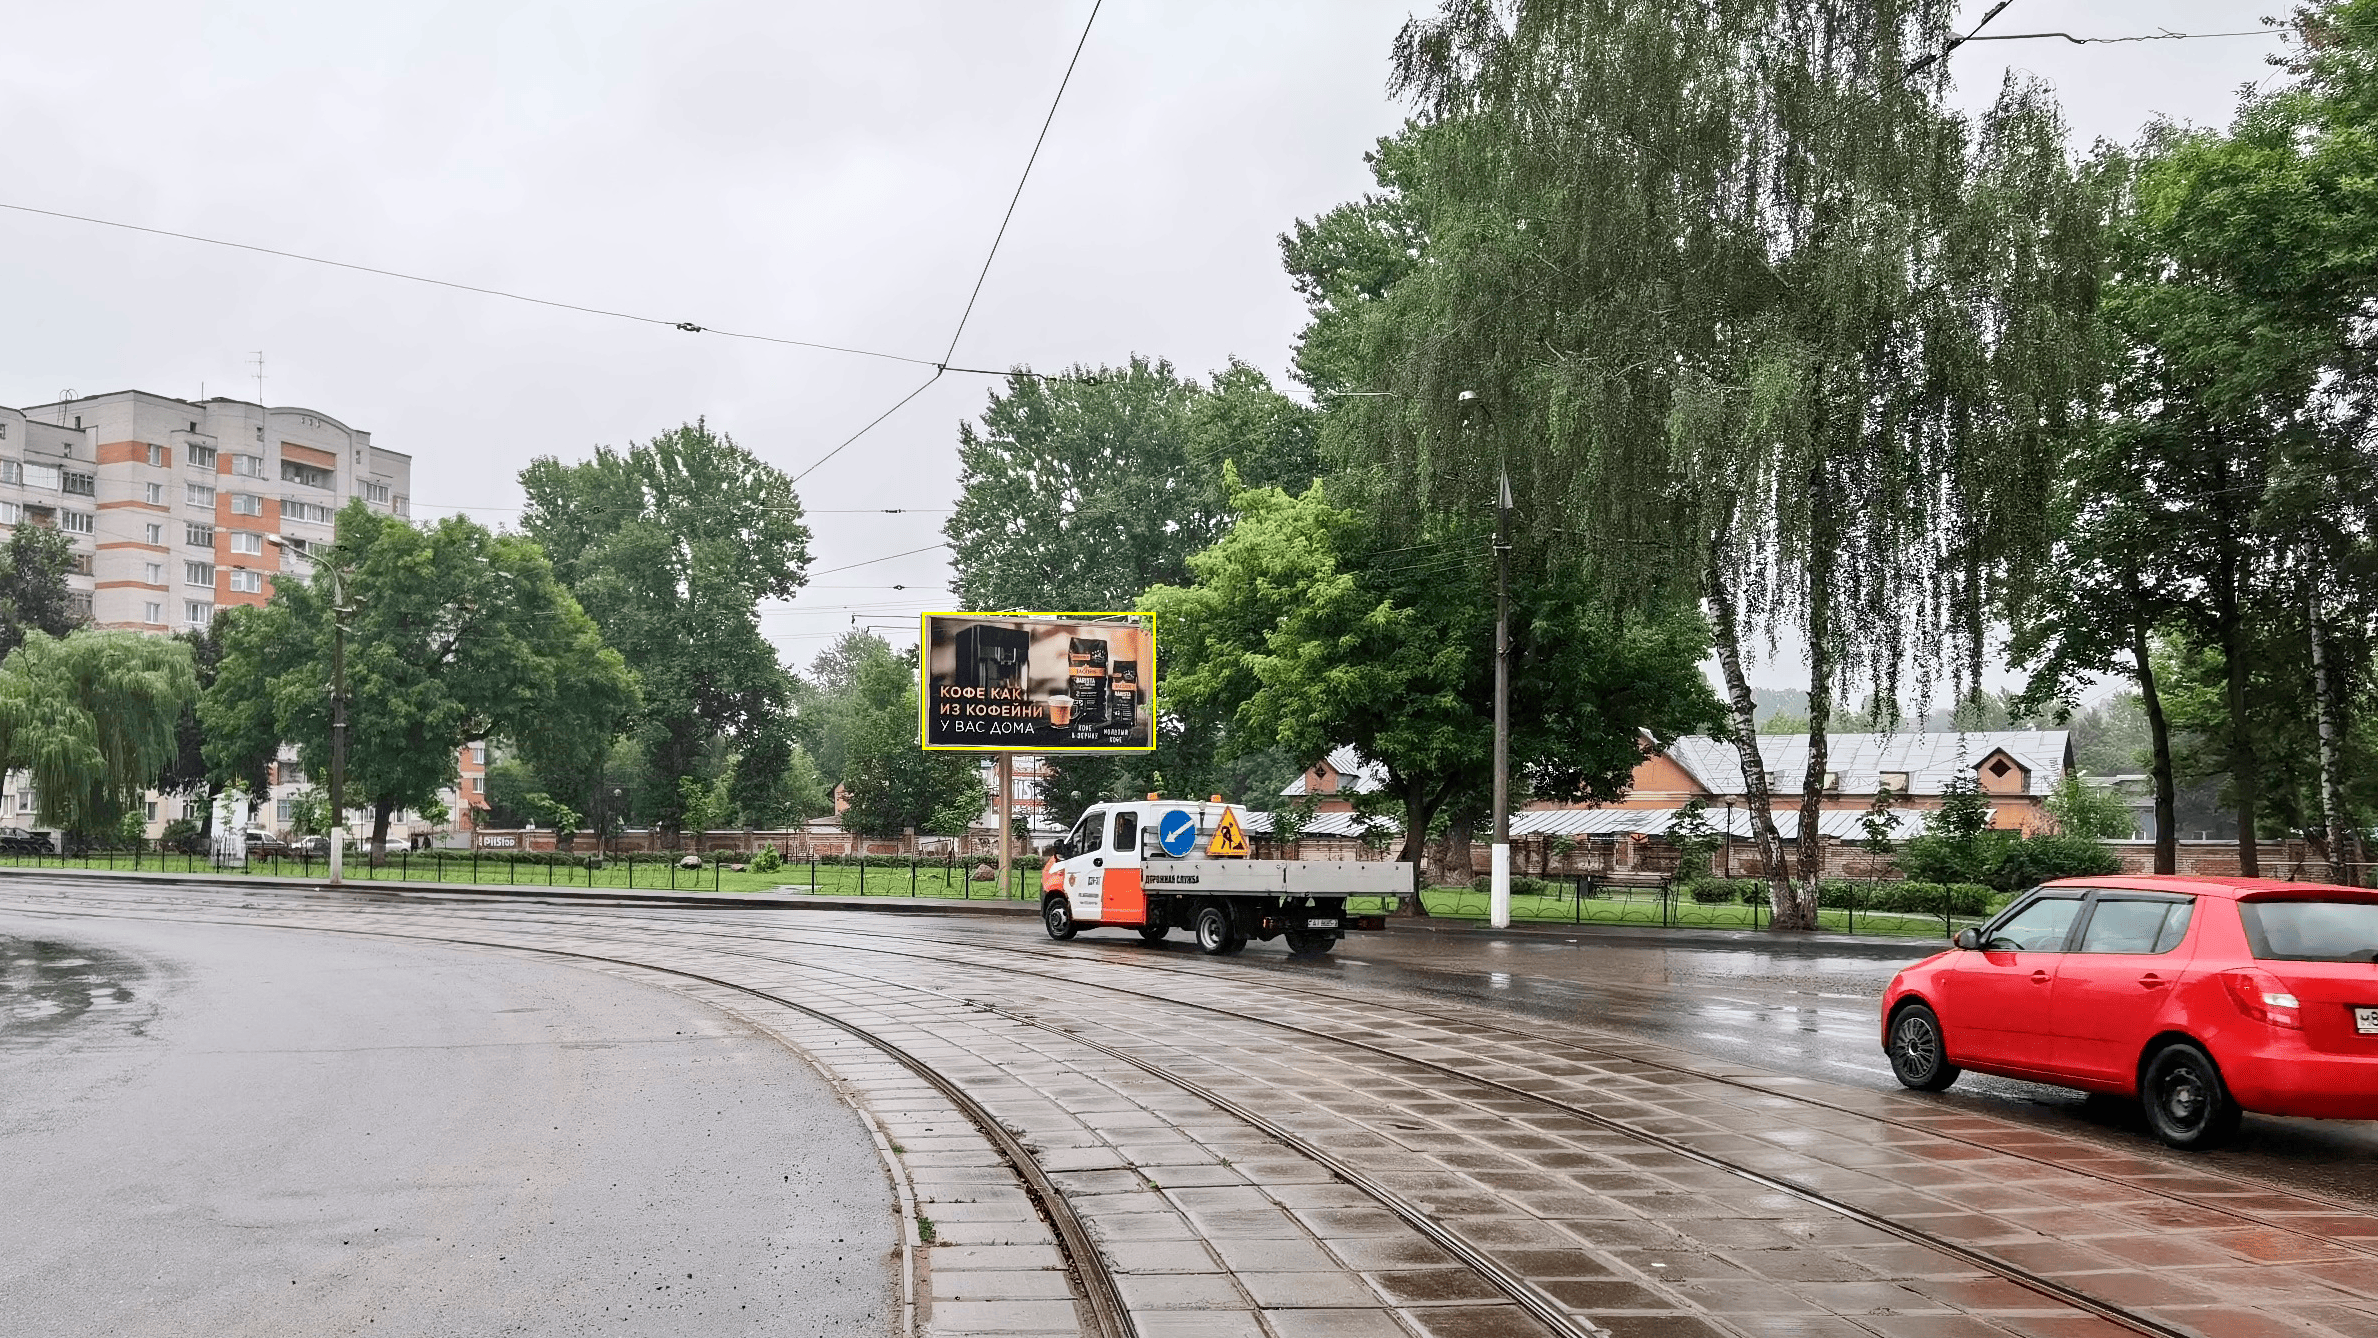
<point x="2260" y="996"/>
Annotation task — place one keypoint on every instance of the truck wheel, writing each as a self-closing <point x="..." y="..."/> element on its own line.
<point x="1056" y="916"/>
<point x="1216" y="935"/>
<point x="1153" y="933"/>
<point x="1311" y="942"/>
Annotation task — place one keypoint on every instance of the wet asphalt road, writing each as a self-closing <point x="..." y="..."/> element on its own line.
<point x="1809" y="1009"/>
<point x="210" y="1129"/>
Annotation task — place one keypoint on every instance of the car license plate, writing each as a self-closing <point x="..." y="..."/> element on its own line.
<point x="2365" y="1021"/>
<point x="1332" y="924"/>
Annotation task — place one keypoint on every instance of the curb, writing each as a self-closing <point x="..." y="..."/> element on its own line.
<point x="1706" y="940"/>
<point x="597" y="896"/>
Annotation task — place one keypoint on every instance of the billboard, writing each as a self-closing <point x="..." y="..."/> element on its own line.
<point x="1039" y="682"/>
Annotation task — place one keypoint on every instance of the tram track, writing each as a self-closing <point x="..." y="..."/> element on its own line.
<point x="1515" y="1286"/>
<point x="1518" y="1288"/>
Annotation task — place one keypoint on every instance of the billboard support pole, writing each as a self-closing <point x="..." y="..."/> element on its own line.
<point x="1006" y="772"/>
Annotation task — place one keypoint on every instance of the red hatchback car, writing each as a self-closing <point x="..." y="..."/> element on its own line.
<point x="2202" y="997"/>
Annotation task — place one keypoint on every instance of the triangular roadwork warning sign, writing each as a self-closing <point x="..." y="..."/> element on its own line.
<point x="1230" y="839"/>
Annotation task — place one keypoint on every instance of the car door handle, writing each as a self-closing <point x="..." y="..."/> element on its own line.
<point x="2039" y="977"/>
<point x="1099" y="863"/>
<point x="2151" y="981"/>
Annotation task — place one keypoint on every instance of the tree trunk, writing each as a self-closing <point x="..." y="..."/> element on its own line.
<point x="383" y="808"/>
<point x="2245" y="780"/>
<point x="1800" y="912"/>
<point x="1742" y="712"/>
<point x="1457" y="848"/>
<point x="2332" y="760"/>
<point x="2159" y="735"/>
<point x="1420" y="809"/>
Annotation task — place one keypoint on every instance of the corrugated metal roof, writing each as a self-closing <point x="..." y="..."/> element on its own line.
<point x="1842" y="825"/>
<point x="1858" y="760"/>
<point x="1362" y="777"/>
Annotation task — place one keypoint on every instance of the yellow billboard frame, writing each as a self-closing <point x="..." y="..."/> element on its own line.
<point x="925" y="679"/>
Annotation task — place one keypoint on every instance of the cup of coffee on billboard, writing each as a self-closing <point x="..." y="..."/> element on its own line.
<point x="1060" y="711"/>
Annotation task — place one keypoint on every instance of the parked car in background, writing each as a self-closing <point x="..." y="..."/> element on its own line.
<point x="2203" y="998"/>
<point x="262" y="844"/>
<point x="19" y="841"/>
<point x="312" y="847"/>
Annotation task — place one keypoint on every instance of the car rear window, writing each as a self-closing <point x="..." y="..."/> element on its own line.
<point x="2311" y="931"/>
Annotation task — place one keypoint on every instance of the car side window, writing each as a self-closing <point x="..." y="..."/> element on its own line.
<point x="2042" y="926"/>
<point x="1085" y="834"/>
<point x="2135" y="925"/>
<point x="1126" y="831"/>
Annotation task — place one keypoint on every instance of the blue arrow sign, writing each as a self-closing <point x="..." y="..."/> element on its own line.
<point x="1177" y="833"/>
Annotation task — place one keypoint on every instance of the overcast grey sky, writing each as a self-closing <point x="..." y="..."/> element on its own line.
<point x="824" y="172"/>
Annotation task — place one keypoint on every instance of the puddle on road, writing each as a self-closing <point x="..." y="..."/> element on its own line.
<point x="48" y="988"/>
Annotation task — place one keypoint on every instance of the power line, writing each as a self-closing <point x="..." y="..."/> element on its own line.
<point x="886" y="558"/>
<point x="944" y="365"/>
<point x="688" y="326"/>
<point x="2136" y="37"/>
<point x="1034" y="157"/>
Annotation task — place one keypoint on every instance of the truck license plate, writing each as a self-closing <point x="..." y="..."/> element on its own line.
<point x="2365" y="1021"/>
<point x="1332" y="924"/>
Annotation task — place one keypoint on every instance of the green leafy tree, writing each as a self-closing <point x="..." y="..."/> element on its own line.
<point x="454" y="634"/>
<point x="1735" y="300"/>
<point x="90" y="716"/>
<point x="671" y="545"/>
<point x="1311" y="633"/>
<point x="33" y="591"/>
<point x="892" y="783"/>
<point x="2088" y="811"/>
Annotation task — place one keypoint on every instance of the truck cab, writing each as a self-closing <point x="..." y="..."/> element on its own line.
<point x="1156" y="865"/>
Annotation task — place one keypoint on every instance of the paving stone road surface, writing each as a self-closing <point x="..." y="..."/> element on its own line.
<point x="1432" y="1134"/>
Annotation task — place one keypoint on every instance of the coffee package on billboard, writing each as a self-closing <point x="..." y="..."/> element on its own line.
<point x="1086" y="682"/>
<point x="1122" y="696"/>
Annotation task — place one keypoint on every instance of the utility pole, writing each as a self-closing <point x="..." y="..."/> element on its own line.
<point x="1006" y="776"/>
<point x="338" y="727"/>
<point x="1499" y="895"/>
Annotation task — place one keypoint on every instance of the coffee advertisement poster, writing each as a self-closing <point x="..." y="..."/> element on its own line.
<point x="1040" y="683"/>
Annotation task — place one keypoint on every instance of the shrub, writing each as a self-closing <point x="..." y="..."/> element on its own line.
<point x="1714" y="893"/>
<point x="2027" y="864"/>
<point x="181" y="837"/>
<point x="767" y="860"/>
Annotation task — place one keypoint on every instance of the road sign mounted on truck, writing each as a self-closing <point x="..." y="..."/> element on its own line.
<point x="1230" y="839"/>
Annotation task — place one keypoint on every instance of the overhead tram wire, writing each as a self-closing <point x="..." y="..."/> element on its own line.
<point x="983" y="274"/>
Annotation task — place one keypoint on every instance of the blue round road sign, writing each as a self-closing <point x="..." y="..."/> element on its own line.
<point x="1177" y="833"/>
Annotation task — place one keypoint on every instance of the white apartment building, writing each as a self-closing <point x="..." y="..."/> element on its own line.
<point x="168" y="503"/>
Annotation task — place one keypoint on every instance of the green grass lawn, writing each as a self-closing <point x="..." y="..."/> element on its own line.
<point x="1635" y="906"/>
<point x="934" y="879"/>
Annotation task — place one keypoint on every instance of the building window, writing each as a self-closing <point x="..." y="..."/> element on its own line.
<point x="244" y="504"/>
<point x="1894" y="781"/>
<point x="24" y="801"/>
<point x="201" y="457"/>
<point x="478" y="754"/>
<point x="79" y="484"/>
<point x="155" y="534"/>
<point x="157" y="460"/>
<point x="199" y="494"/>
<point x="311" y="512"/>
<point x="153" y="573"/>
<point x="152" y="613"/>
<point x="293" y="472"/>
<point x="75" y="522"/>
<point x="376" y="492"/>
<point x="152" y="804"/>
<point x="198" y="536"/>
<point x="246" y="541"/>
<point x="280" y="809"/>
<point x="402" y="506"/>
<point x="11" y="513"/>
<point x="247" y="582"/>
<point x="197" y="614"/>
<point x="248" y="466"/>
<point x="153" y="494"/>
<point x="78" y="603"/>
<point x="79" y="563"/>
<point x="41" y="476"/>
<point x="199" y="573"/>
<point x="12" y="471"/>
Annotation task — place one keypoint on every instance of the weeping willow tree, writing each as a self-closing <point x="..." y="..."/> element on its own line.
<point x="94" y="718"/>
<point x="1745" y="311"/>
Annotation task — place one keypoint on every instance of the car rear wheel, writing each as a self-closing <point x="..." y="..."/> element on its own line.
<point x="1918" y="1058"/>
<point x="2187" y="1104"/>
<point x="1056" y="916"/>
<point x="1216" y="935"/>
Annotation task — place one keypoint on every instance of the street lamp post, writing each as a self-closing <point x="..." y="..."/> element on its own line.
<point x="1498" y="897"/>
<point x="338" y="706"/>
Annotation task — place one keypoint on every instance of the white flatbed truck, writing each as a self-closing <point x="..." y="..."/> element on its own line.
<point x="1157" y="865"/>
